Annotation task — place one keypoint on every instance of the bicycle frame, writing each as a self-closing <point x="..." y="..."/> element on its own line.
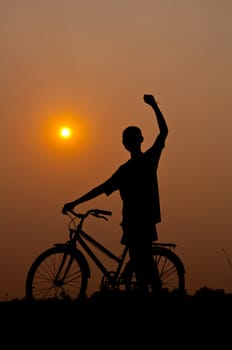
<point x="83" y="237"/>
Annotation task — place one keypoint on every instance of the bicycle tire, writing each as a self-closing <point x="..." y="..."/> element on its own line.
<point x="40" y="280"/>
<point x="170" y="267"/>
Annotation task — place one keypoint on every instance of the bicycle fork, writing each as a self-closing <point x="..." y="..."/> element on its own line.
<point x="59" y="279"/>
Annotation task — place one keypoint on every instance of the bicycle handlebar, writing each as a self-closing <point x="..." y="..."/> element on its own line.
<point x="94" y="212"/>
<point x="100" y="212"/>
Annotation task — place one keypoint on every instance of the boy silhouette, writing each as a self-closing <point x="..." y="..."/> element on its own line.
<point x="137" y="182"/>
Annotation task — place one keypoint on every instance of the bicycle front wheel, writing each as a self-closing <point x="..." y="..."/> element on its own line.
<point x="58" y="273"/>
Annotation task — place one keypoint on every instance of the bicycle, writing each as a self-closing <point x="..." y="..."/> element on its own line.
<point x="62" y="271"/>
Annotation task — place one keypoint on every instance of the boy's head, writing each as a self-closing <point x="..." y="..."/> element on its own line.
<point x="132" y="138"/>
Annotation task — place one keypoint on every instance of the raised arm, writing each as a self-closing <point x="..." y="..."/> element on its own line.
<point x="150" y="100"/>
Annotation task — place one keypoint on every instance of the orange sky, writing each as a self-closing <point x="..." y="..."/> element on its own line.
<point x="89" y="64"/>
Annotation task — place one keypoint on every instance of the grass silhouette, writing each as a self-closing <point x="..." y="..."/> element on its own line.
<point x="204" y="295"/>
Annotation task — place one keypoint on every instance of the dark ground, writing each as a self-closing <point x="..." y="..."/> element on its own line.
<point x="110" y="320"/>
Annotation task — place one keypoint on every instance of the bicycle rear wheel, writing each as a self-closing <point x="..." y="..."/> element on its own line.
<point x="170" y="268"/>
<point x="57" y="273"/>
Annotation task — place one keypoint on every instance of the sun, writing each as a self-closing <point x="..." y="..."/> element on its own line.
<point x="65" y="132"/>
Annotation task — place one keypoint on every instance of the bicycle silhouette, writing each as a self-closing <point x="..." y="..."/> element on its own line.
<point x="62" y="271"/>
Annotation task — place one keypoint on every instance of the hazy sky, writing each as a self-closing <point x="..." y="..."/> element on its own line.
<point x="87" y="64"/>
